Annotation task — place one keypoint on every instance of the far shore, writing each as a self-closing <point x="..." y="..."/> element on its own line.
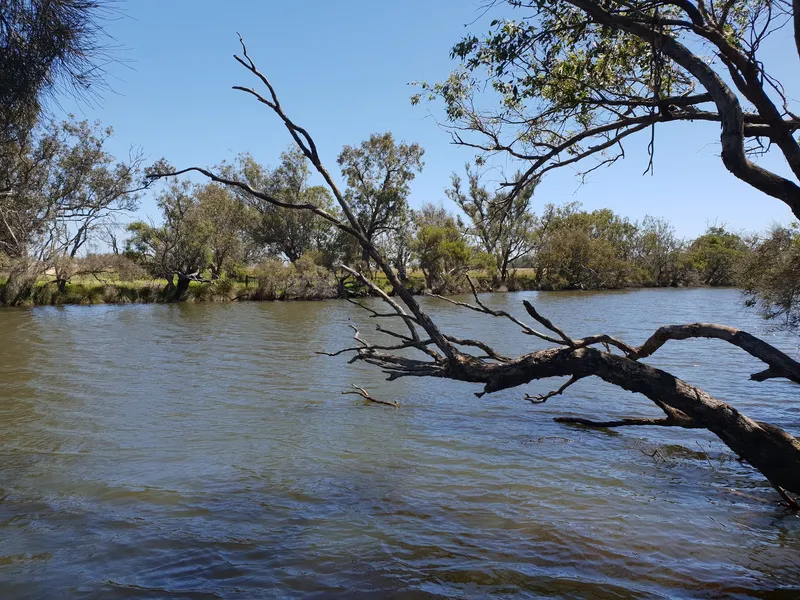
<point x="85" y="292"/>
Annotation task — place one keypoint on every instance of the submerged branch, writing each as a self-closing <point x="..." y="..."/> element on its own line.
<point x="359" y="391"/>
<point x="662" y="422"/>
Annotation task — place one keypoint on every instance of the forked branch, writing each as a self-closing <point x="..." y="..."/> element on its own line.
<point x="360" y="391"/>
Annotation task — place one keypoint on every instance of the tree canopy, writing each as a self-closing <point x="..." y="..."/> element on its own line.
<point x="567" y="81"/>
<point x="46" y="46"/>
<point x="378" y="173"/>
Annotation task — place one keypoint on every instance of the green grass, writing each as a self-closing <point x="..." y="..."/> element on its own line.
<point x="88" y="290"/>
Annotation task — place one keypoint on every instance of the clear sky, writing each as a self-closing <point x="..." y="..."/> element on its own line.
<point x="342" y="70"/>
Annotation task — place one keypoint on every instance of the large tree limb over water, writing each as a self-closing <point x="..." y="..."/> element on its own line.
<point x="771" y="450"/>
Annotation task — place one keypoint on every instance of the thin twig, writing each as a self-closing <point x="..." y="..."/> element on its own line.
<point x="359" y="391"/>
<point x="542" y="398"/>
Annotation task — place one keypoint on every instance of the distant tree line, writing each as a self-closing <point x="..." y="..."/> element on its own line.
<point x="213" y="231"/>
<point x="68" y="194"/>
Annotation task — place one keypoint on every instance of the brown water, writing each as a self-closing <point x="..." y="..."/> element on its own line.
<point x="206" y="451"/>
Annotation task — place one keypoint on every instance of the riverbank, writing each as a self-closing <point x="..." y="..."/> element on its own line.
<point x="87" y="291"/>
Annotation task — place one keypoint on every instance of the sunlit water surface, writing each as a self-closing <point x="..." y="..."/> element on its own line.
<point x="206" y="451"/>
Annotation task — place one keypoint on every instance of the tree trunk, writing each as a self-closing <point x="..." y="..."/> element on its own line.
<point x="341" y="291"/>
<point x="19" y="286"/>
<point x="179" y="294"/>
<point x="503" y="274"/>
<point x="402" y="274"/>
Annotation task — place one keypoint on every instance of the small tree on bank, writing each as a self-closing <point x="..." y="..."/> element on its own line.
<point x="504" y="227"/>
<point x="288" y="233"/>
<point x="65" y="188"/>
<point x="378" y="173"/>
<point x="440" y="247"/>
<point x="717" y="256"/>
<point x="771" y="276"/>
<point x="180" y="246"/>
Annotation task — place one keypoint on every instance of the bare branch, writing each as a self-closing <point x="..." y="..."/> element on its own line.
<point x="409" y="321"/>
<point x="262" y="195"/>
<point x="547" y="323"/>
<point x="482" y="308"/>
<point x="780" y="365"/>
<point x="542" y="398"/>
<point x="359" y="391"/>
<point x="490" y="352"/>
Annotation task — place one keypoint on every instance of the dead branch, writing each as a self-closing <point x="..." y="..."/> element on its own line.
<point x="490" y="352"/>
<point x="547" y="323"/>
<point x="359" y="391"/>
<point x="793" y="505"/>
<point x="653" y="454"/>
<point x="410" y="322"/>
<point x="482" y="308"/>
<point x="663" y="422"/>
<point x="780" y="365"/>
<point x="542" y="398"/>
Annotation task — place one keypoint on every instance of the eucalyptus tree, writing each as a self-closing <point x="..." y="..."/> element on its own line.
<point x="180" y="247"/>
<point x="378" y="173"/>
<point x="717" y="256"/>
<point x="768" y="448"/>
<point x="584" y="250"/>
<point x="504" y="227"/>
<point x="568" y="82"/>
<point x="285" y="232"/>
<point x="440" y="247"/>
<point x="658" y="252"/>
<point x="228" y="218"/>
<point x="771" y="276"/>
<point x="64" y="187"/>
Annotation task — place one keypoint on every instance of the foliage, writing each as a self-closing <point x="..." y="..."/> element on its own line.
<point x="291" y="233"/>
<point x="567" y="82"/>
<point x="584" y="250"/>
<point x="772" y="276"/>
<point x="45" y="46"/>
<point x="504" y="227"/>
<point x="227" y="219"/>
<point x="378" y="173"/>
<point x="300" y="280"/>
<point x="716" y="256"/>
<point x="64" y="187"/>
<point x="181" y="245"/>
<point x="660" y="254"/>
<point x="441" y="248"/>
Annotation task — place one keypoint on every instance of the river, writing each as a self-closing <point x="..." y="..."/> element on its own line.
<point x="206" y="451"/>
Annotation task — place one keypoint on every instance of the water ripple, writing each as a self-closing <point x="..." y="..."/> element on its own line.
<point x="205" y="451"/>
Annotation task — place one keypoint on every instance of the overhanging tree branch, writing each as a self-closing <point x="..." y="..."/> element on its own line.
<point x="769" y="449"/>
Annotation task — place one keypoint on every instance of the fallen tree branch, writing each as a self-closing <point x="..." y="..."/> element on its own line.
<point x="768" y="448"/>
<point x="662" y="422"/>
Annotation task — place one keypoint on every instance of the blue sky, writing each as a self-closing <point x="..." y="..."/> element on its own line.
<point x="342" y="70"/>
